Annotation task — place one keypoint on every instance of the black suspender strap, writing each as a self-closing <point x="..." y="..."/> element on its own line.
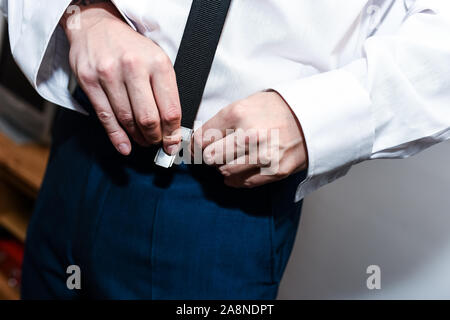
<point x="197" y="50"/>
<point x="195" y="57"/>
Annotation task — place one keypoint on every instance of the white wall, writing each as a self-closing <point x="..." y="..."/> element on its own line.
<point x="391" y="213"/>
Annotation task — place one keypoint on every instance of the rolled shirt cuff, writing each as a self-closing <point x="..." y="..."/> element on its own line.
<point x="334" y="110"/>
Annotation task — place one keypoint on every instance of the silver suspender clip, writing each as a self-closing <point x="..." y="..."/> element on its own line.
<point x="165" y="160"/>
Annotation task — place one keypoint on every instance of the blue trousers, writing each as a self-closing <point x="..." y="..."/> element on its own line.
<point x="140" y="232"/>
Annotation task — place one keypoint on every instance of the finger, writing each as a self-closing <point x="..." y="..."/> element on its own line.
<point x="120" y="104"/>
<point x="258" y="180"/>
<point x="262" y="175"/>
<point x="233" y="146"/>
<point x="239" y="181"/>
<point x="203" y="138"/>
<point x="251" y="178"/>
<point x="105" y="114"/>
<point x="213" y="130"/>
<point x="238" y="166"/>
<point x="144" y="108"/>
<point x="165" y="90"/>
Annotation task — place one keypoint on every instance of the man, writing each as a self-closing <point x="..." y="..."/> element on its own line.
<point x="340" y="82"/>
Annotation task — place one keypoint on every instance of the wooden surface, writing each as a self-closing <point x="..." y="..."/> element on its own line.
<point x="22" y="169"/>
<point x="15" y="211"/>
<point x="23" y="165"/>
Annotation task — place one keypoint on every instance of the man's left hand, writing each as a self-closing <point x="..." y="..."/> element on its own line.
<point x="254" y="141"/>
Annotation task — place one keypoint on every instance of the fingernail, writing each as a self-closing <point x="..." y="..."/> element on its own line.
<point x="173" y="149"/>
<point x="124" y="148"/>
<point x="209" y="159"/>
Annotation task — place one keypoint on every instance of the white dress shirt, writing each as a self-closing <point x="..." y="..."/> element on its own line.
<point x="366" y="78"/>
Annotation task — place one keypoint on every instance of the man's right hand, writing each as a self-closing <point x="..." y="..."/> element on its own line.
<point x="129" y="80"/>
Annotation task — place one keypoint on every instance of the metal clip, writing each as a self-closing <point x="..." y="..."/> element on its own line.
<point x="165" y="160"/>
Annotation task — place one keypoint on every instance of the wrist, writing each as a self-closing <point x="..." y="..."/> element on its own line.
<point x="80" y="15"/>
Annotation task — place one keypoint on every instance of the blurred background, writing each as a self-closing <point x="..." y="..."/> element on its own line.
<point x="25" y="122"/>
<point x="393" y="214"/>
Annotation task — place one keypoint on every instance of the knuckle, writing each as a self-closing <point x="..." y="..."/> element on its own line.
<point x="153" y="136"/>
<point x="236" y="112"/>
<point x="130" y="61"/>
<point x="126" y="118"/>
<point x="148" y="123"/>
<point x="172" y="115"/>
<point x="161" y="63"/>
<point x="87" y="77"/>
<point x="106" y="69"/>
<point x="105" y="116"/>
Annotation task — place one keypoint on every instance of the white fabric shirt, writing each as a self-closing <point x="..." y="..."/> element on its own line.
<point x="367" y="79"/>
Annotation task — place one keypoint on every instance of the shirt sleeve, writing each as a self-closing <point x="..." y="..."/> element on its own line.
<point x="40" y="47"/>
<point x="392" y="103"/>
